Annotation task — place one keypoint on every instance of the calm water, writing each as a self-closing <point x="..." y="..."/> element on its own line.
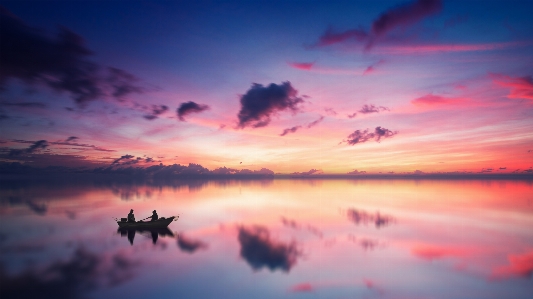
<point x="269" y="239"/>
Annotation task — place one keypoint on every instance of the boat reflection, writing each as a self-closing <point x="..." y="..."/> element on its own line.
<point x="153" y="233"/>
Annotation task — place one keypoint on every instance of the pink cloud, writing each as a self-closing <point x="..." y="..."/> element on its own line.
<point x="439" y="48"/>
<point x="521" y="87"/>
<point x="372" y="68"/>
<point x="432" y="252"/>
<point x="371" y="285"/>
<point x="330" y="37"/>
<point x="434" y="100"/>
<point x="305" y="66"/>
<point x="302" y="287"/>
<point x="520" y="265"/>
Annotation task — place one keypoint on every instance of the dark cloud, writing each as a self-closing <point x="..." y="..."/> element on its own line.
<point x="400" y="16"/>
<point x="355" y="171"/>
<point x="83" y="273"/>
<point x="24" y="104"/>
<point x="60" y="63"/>
<point x="290" y="130"/>
<point x="38" y="145"/>
<point x="122" y="158"/>
<point x="189" y="245"/>
<point x="361" y="217"/>
<point x="259" y="250"/>
<point x="156" y="111"/>
<point x="316" y="122"/>
<point x="122" y="83"/>
<point x="71" y="138"/>
<point x="372" y="109"/>
<point x="363" y="136"/>
<point x="188" y="108"/>
<point x="38" y="208"/>
<point x="310" y="172"/>
<point x="260" y="103"/>
<point x="406" y="14"/>
<point x="243" y="172"/>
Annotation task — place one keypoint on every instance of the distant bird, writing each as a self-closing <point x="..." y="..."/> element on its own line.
<point x="240" y="163"/>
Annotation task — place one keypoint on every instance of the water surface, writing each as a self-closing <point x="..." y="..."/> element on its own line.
<point x="269" y="239"/>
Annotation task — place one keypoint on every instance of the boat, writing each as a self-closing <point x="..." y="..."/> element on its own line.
<point x="159" y="223"/>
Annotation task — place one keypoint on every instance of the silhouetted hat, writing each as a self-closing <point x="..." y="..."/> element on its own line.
<point x="154" y="210"/>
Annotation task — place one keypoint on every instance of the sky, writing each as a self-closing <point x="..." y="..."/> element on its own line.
<point x="305" y="87"/>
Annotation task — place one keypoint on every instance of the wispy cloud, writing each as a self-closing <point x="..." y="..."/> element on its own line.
<point x="521" y="87"/>
<point x="156" y="111"/>
<point x="435" y="100"/>
<point x="359" y="136"/>
<point x="316" y="122"/>
<point x="400" y="16"/>
<point x="290" y="130"/>
<point x="305" y="66"/>
<point x="36" y="146"/>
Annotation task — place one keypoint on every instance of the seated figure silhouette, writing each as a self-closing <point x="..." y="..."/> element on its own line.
<point x="131" y="217"/>
<point x="154" y="216"/>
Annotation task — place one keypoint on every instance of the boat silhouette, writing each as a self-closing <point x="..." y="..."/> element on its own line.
<point x="159" y="223"/>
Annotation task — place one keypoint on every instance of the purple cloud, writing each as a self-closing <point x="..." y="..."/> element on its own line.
<point x="400" y="16"/>
<point x="290" y="130"/>
<point x="38" y="145"/>
<point x="316" y="122"/>
<point x="404" y="15"/>
<point x="156" y="111"/>
<point x="260" y="103"/>
<point x="363" y="136"/>
<point x="188" y="108"/>
<point x="60" y="63"/>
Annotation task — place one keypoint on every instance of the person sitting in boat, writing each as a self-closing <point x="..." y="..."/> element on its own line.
<point x="131" y="217"/>
<point x="154" y="216"/>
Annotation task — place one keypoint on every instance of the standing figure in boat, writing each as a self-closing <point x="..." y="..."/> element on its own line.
<point x="154" y="216"/>
<point x="131" y="217"/>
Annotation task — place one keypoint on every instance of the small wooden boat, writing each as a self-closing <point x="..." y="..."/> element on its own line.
<point x="159" y="223"/>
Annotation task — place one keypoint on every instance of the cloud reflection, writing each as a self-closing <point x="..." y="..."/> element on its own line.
<point x="361" y="217"/>
<point x="82" y="273"/>
<point x="259" y="250"/>
<point x="189" y="245"/>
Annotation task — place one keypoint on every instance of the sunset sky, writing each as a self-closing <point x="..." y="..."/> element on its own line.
<point x="330" y="87"/>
